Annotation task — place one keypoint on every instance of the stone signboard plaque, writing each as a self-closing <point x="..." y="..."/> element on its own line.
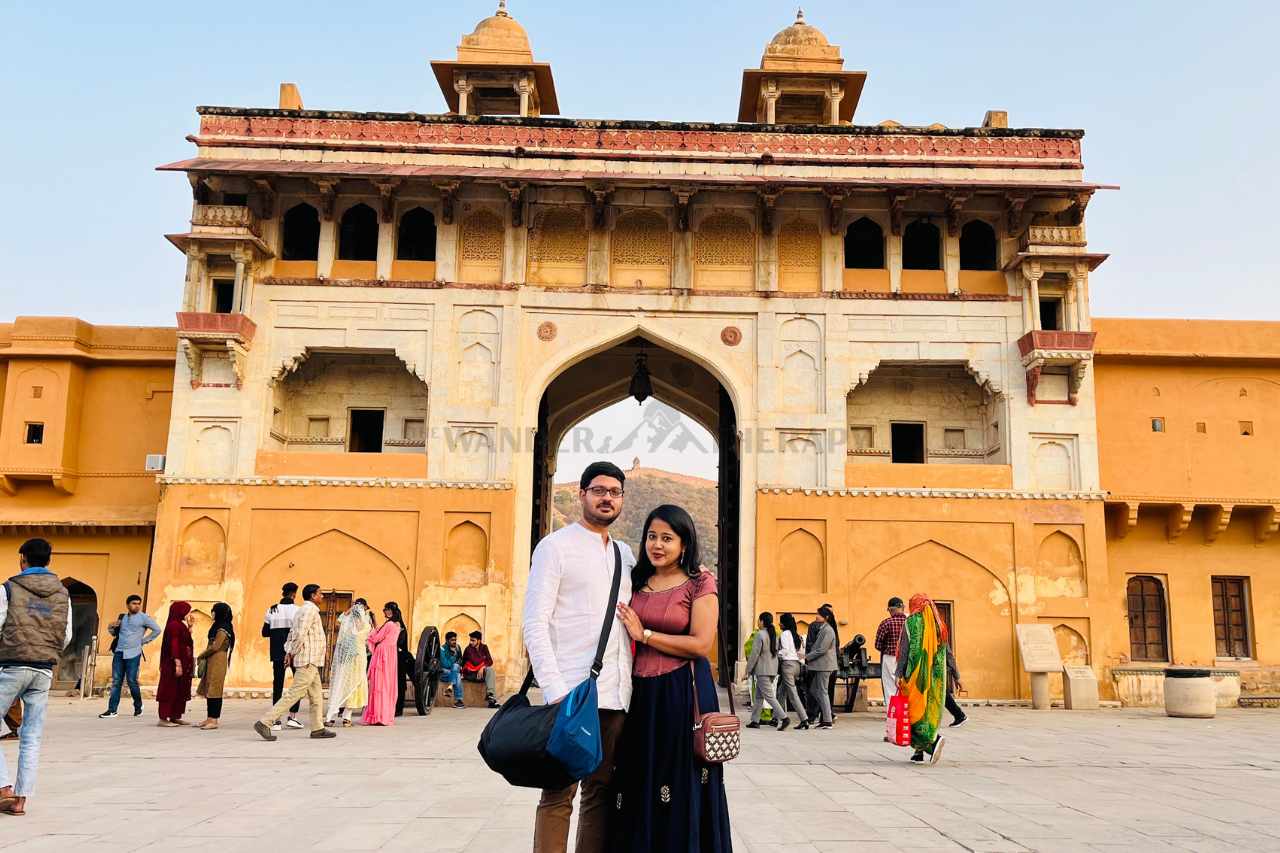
<point x="1039" y="648"/>
<point x="1079" y="688"/>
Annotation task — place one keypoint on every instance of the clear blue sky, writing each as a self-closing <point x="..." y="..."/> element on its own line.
<point x="1179" y="102"/>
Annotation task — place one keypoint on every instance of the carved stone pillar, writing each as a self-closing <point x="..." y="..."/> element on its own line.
<point x="1033" y="274"/>
<point x="386" y="249"/>
<point x="893" y="257"/>
<point x="463" y="88"/>
<point x="195" y="277"/>
<point x="524" y="86"/>
<point x="769" y="91"/>
<point x="834" y="96"/>
<point x="237" y="294"/>
<point x="1080" y="284"/>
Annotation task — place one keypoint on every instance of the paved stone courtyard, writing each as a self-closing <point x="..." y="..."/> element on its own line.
<point x="1012" y="780"/>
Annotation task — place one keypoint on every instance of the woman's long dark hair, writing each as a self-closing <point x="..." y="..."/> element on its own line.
<point x="767" y="620"/>
<point x="789" y="624"/>
<point x="222" y="622"/>
<point x="830" y="616"/>
<point x="684" y="528"/>
<point x="403" y="640"/>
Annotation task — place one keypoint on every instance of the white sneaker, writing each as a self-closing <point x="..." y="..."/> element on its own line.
<point x="276" y="726"/>
<point x="293" y="723"/>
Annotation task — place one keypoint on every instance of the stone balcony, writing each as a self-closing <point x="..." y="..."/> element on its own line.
<point x="218" y="218"/>
<point x="1053" y="238"/>
<point x="1056" y="352"/>
<point x="207" y="326"/>
<point x="215" y="344"/>
<point x="223" y="228"/>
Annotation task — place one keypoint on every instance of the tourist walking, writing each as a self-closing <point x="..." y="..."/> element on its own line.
<point x="213" y="664"/>
<point x="384" y="669"/>
<point x="665" y="799"/>
<point x="958" y="716"/>
<point x="304" y="649"/>
<point x="451" y="667"/>
<point x="570" y="580"/>
<point x="922" y="674"/>
<point x="348" y="668"/>
<point x="132" y="630"/>
<point x="820" y="658"/>
<point x="790" y="659"/>
<point x="275" y="627"/>
<point x="177" y="666"/>
<point x="35" y="626"/>
<point x="762" y="666"/>
<point x="888" y="635"/>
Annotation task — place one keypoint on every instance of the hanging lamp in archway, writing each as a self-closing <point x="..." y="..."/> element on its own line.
<point x="641" y="388"/>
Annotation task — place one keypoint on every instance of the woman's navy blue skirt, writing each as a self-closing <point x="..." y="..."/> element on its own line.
<point x="665" y="800"/>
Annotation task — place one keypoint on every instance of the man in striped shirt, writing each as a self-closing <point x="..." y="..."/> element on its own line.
<point x="305" y="651"/>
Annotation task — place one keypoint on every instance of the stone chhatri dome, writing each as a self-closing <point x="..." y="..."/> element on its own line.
<point x="801" y="46"/>
<point x="498" y="38"/>
<point x="800" y="33"/>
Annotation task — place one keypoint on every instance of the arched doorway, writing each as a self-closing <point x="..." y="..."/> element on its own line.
<point x="84" y="627"/>
<point x="682" y="384"/>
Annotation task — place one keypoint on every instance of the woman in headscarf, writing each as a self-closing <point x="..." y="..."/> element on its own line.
<point x="348" y="678"/>
<point x="214" y="661"/>
<point x="384" y="669"/>
<point x="922" y="675"/>
<point x="177" y="666"/>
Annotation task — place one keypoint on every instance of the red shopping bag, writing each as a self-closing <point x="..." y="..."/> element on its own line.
<point x="897" y="728"/>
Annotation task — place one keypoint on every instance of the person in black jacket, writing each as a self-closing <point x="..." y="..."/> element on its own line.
<point x="275" y="627"/>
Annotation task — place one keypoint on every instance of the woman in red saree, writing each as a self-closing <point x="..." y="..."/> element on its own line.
<point x="177" y="666"/>
<point x="383" y="670"/>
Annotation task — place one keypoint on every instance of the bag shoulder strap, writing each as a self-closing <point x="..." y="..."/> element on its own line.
<point x="610" y="613"/>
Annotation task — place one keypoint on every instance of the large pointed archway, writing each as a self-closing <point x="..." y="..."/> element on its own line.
<point x="604" y="378"/>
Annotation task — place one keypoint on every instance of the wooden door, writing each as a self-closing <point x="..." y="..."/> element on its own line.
<point x="1147" y="633"/>
<point x="727" y="519"/>
<point x="335" y="604"/>
<point x="1231" y="618"/>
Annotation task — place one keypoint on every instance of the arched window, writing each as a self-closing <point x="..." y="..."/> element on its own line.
<point x="977" y="246"/>
<point x="1148" y="633"/>
<point x="416" y="237"/>
<point x="921" y="246"/>
<point x="864" y="246"/>
<point x="301" y="241"/>
<point x="358" y="234"/>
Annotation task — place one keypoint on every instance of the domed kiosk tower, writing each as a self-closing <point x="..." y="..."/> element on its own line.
<point x="495" y="74"/>
<point x="801" y="80"/>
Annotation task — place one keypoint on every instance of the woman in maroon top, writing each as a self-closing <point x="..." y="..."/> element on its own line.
<point x="177" y="666"/>
<point x="666" y="800"/>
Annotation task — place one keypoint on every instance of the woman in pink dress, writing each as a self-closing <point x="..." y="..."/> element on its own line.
<point x="383" y="670"/>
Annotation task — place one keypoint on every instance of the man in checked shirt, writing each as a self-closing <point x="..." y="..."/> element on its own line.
<point x="305" y="651"/>
<point x="887" y="637"/>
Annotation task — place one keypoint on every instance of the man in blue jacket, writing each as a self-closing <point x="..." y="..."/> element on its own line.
<point x="451" y="666"/>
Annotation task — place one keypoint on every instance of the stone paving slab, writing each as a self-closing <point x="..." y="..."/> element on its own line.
<point x="1012" y="780"/>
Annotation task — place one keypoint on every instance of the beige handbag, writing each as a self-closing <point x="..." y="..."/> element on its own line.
<point x="717" y="737"/>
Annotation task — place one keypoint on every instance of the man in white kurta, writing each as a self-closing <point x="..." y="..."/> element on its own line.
<point x="570" y="578"/>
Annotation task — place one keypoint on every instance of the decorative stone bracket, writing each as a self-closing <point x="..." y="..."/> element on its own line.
<point x="1040" y="349"/>
<point x="202" y="333"/>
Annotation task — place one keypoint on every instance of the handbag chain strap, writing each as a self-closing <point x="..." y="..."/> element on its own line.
<point x="693" y="675"/>
<point x="609" y="615"/>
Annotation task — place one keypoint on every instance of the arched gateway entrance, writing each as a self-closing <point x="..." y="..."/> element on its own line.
<point x="606" y="377"/>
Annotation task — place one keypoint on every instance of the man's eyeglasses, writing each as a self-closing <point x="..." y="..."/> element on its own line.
<point x="601" y="491"/>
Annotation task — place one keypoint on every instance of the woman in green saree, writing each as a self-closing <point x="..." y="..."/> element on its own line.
<point x="922" y="675"/>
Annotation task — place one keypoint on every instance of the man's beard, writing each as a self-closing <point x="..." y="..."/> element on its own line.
<point x="599" y="521"/>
